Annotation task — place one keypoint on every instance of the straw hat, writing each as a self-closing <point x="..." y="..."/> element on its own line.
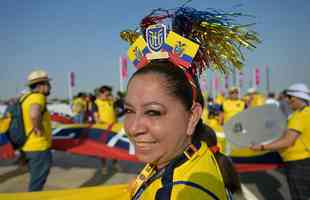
<point x="299" y="90"/>
<point x="37" y="76"/>
<point x="233" y="88"/>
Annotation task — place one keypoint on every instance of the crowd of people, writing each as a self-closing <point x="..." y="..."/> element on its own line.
<point x="146" y="118"/>
<point x="100" y="107"/>
<point x="223" y="107"/>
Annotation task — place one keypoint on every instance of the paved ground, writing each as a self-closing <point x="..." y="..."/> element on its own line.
<point x="73" y="171"/>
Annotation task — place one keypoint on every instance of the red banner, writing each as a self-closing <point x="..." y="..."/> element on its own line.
<point x="123" y="67"/>
<point x="257" y="76"/>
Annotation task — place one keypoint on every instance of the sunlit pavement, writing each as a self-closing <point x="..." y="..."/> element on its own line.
<point x="73" y="171"/>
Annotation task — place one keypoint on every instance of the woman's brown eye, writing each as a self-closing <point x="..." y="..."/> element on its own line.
<point x="128" y="111"/>
<point x="153" y="113"/>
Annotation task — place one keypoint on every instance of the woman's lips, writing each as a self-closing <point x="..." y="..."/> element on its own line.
<point x="144" y="145"/>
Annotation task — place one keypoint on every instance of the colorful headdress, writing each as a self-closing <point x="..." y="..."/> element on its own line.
<point x="194" y="40"/>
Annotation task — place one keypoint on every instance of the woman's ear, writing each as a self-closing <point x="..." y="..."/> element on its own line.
<point x="196" y="112"/>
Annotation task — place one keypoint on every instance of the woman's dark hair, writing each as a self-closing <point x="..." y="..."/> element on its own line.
<point x="178" y="86"/>
<point x="228" y="171"/>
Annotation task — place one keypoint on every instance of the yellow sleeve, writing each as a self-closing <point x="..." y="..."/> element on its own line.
<point x="295" y="123"/>
<point x="37" y="98"/>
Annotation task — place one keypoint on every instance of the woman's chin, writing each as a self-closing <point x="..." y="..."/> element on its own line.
<point x="146" y="158"/>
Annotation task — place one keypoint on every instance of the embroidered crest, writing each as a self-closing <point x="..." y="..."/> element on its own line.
<point x="155" y="36"/>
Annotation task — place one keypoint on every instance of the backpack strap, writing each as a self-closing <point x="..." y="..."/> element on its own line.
<point x="21" y="101"/>
<point x="23" y="98"/>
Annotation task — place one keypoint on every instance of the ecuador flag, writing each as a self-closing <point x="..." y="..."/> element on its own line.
<point x="181" y="50"/>
<point x="137" y="52"/>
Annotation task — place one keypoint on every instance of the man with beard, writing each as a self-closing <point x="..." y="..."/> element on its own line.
<point x="37" y="124"/>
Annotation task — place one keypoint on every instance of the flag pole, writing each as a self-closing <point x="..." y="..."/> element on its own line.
<point x="267" y="79"/>
<point x="70" y="87"/>
<point x="253" y="78"/>
<point x="121" y="88"/>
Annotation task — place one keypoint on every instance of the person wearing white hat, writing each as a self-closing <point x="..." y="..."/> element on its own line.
<point x="300" y="91"/>
<point x="254" y="98"/>
<point x="294" y="145"/>
<point x="37" y="125"/>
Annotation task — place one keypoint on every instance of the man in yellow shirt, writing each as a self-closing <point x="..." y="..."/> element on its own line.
<point x="232" y="105"/>
<point x="294" y="145"/>
<point x="105" y="114"/>
<point x="37" y="125"/>
<point x="79" y="108"/>
<point x="105" y="106"/>
<point x="220" y="98"/>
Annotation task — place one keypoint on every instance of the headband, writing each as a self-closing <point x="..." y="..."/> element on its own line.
<point x="194" y="40"/>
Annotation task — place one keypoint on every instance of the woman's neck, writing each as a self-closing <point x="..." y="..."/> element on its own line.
<point x="181" y="148"/>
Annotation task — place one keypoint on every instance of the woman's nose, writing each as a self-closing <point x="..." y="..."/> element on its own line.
<point x="135" y="125"/>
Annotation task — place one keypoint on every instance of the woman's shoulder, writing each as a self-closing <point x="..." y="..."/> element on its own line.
<point x="200" y="175"/>
<point x="202" y="161"/>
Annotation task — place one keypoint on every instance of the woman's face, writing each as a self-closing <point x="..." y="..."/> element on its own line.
<point x="156" y="122"/>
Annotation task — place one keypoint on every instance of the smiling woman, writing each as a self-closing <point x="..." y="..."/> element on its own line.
<point x="164" y="102"/>
<point x="163" y="121"/>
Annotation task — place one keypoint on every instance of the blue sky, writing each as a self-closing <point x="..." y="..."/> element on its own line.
<point x="83" y="36"/>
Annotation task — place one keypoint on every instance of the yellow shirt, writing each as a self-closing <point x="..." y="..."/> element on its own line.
<point x="219" y="99"/>
<point x="214" y="124"/>
<point x="78" y="106"/>
<point x="232" y="107"/>
<point x="258" y="100"/>
<point x="35" y="142"/>
<point x="202" y="170"/>
<point x="106" y="111"/>
<point x="300" y="122"/>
